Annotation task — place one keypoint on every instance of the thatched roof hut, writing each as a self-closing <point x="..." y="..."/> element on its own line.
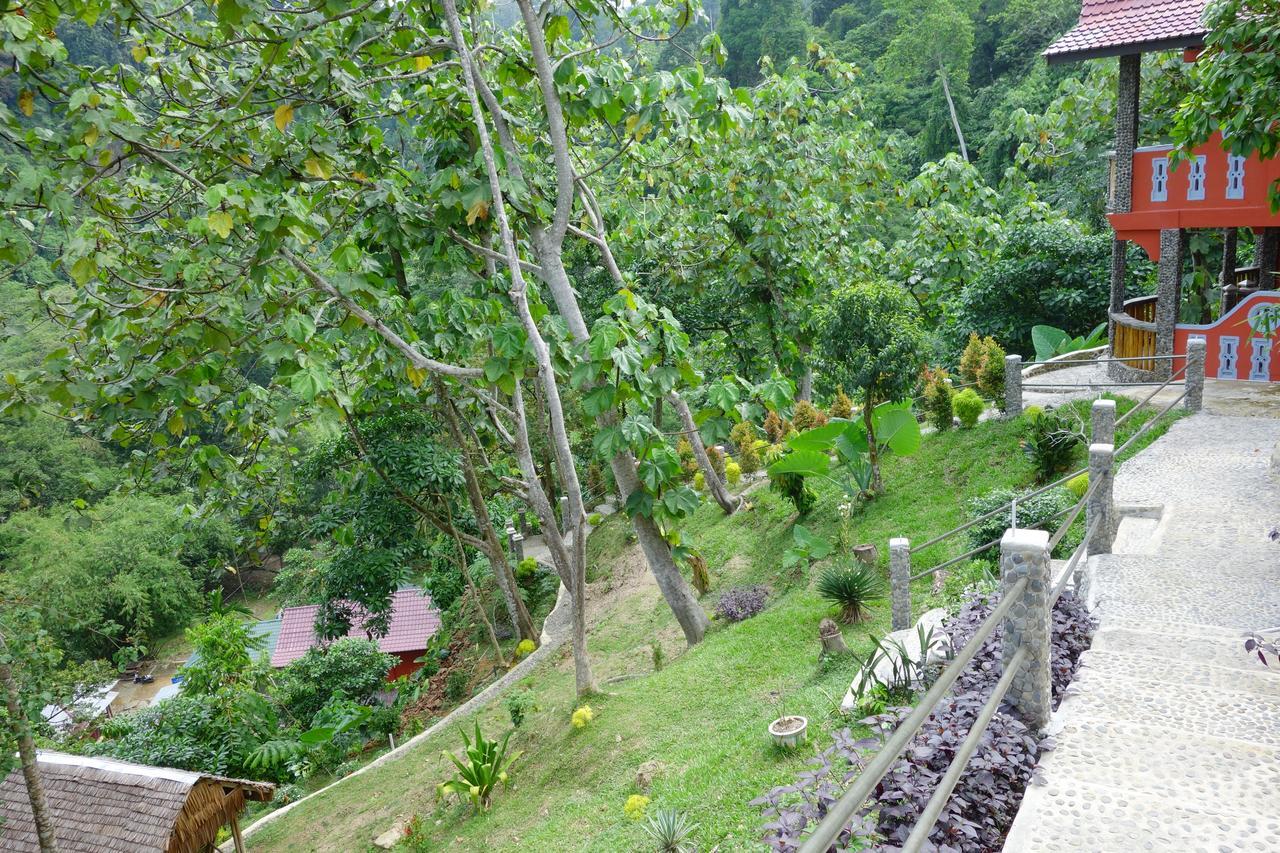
<point x="100" y="805"/>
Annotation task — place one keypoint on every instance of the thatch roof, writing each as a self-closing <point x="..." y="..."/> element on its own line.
<point x="101" y="805"/>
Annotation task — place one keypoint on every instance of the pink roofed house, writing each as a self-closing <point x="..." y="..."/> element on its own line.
<point x="414" y="620"/>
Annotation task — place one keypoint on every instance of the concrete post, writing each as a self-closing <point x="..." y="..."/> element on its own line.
<point x="564" y="512"/>
<point x="511" y="543"/>
<point x="900" y="582"/>
<point x="1025" y="554"/>
<point x="1195" y="374"/>
<point x="1012" y="386"/>
<point x="1101" y="504"/>
<point x="1103" y="422"/>
<point x="517" y="548"/>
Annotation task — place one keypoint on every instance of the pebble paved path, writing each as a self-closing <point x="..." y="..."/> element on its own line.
<point x="1169" y="739"/>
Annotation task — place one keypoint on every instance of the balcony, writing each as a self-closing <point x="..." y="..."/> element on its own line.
<point x="1213" y="190"/>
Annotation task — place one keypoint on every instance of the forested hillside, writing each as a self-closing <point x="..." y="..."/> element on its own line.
<point x="308" y="304"/>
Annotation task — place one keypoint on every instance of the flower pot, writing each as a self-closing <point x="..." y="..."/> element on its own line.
<point x="789" y="732"/>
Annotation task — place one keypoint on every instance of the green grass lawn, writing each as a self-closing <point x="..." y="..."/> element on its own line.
<point x="703" y="717"/>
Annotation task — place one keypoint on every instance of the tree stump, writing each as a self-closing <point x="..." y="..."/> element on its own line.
<point x="832" y="639"/>
<point x="866" y="553"/>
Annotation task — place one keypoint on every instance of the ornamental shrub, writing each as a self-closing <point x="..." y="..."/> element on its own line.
<point x="688" y="462"/>
<point x="807" y="416"/>
<point x="983" y="363"/>
<point x="1051" y="440"/>
<point x="582" y="715"/>
<point x="742" y="602"/>
<point x="1032" y="512"/>
<point x="968" y="407"/>
<point x="524" y="648"/>
<point x="793" y="488"/>
<point x="716" y="455"/>
<point x="732" y="471"/>
<point x="635" y="806"/>
<point x="1078" y="485"/>
<point x="841" y="405"/>
<point x="699" y="481"/>
<point x="774" y="427"/>
<point x="526" y="568"/>
<point x="455" y="685"/>
<point x="519" y="704"/>
<point x="854" y="589"/>
<point x="744" y="438"/>
<point x="938" y="395"/>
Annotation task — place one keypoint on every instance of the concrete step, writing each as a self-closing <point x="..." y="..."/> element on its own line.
<point x="1184" y="710"/>
<point x="1173" y="669"/>
<point x="1188" y="643"/>
<point x="1217" y="775"/>
<point x="1075" y="817"/>
<point x="1231" y="594"/>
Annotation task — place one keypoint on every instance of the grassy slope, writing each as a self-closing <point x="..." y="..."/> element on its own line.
<point x="703" y="716"/>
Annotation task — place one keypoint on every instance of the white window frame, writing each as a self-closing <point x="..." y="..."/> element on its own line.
<point x="1196" y="179"/>
<point x="1235" y="176"/>
<point x="1159" y="178"/>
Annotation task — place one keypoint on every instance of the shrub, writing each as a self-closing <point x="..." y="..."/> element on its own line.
<point x="938" y="395"/>
<point x="1051" y="440"/>
<point x="635" y="806"/>
<point x="853" y="589"/>
<point x="699" y="481"/>
<point x="742" y="602"/>
<point x="774" y="427"/>
<point x="481" y="771"/>
<point x="793" y="488"/>
<point x="968" y="407"/>
<point x="581" y="716"/>
<point x="655" y="652"/>
<point x="594" y="519"/>
<point x="524" y="648"/>
<point x="841" y="405"/>
<point x="526" y="568"/>
<point x="670" y="830"/>
<point x="983" y="363"/>
<point x="350" y="667"/>
<point x="773" y="452"/>
<point x="455" y="685"/>
<point x="743" y="435"/>
<point x="519" y="704"/>
<point x="732" y="472"/>
<point x="1032" y="512"/>
<point x="698" y="570"/>
<point x="688" y="462"/>
<point x="749" y="456"/>
<point x="716" y="456"/>
<point x="1078" y="485"/>
<point x="807" y="416"/>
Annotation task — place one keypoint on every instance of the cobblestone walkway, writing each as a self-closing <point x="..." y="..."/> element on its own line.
<point x="1169" y="739"/>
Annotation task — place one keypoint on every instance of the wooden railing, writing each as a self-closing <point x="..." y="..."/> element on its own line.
<point x="1135" y="333"/>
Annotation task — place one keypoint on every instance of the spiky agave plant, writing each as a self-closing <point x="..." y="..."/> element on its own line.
<point x="670" y="830"/>
<point x="853" y="588"/>
<point x="482" y="768"/>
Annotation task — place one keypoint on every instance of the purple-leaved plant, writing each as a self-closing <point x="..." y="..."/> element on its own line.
<point x="742" y="602"/>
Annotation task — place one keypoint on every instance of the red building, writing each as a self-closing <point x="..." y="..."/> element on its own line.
<point x="414" y="620"/>
<point x="1155" y="203"/>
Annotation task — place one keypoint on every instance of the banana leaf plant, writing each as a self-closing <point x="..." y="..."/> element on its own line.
<point x="481" y="769"/>
<point x="1050" y="342"/>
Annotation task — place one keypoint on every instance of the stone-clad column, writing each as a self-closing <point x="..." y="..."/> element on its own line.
<point x="1012" y="386"/>
<point x="1195" y="374"/>
<point x="1168" y="297"/>
<point x="1101" y="504"/>
<point x="900" y="582"/>
<point x="1121" y="200"/>
<point x="1102" y="417"/>
<point x="1025" y="554"/>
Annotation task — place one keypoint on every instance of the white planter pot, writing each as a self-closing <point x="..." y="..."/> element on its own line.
<point x="789" y="732"/>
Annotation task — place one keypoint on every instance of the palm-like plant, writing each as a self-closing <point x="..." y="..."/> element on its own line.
<point x="854" y="589"/>
<point x="481" y="771"/>
<point x="670" y="830"/>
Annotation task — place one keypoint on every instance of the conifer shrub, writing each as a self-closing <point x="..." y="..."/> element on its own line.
<point x="968" y="407"/>
<point x="807" y="416"/>
<point x="774" y="427"/>
<point x="938" y="396"/>
<point x="841" y="406"/>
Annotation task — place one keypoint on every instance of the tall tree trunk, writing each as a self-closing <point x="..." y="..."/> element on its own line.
<point x="475" y="594"/>
<point x="21" y="729"/>
<point x="951" y="107"/>
<point x="873" y="450"/>
<point x="502" y="573"/>
<point x="715" y="485"/>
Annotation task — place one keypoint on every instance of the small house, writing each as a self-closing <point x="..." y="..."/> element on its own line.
<point x="100" y="805"/>
<point x="414" y="621"/>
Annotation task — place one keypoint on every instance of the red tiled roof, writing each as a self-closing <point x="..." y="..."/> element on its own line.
<point x="1113" y="27"/>
<point x="413" y="621"/>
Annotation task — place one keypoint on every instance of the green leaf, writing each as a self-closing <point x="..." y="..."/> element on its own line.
<point x="299" y="327"/>
<point x="1047" y="341"/>
<point x="819" y="438"/>
<point x="897" y="428"/>
<point x="816" y="546"/>
<point x="806" y="463"/>
<point x="495" y="368"/>
<point x="319" y="735"/>
<point x="84" y="269"/>
<point x="598" y="400"/>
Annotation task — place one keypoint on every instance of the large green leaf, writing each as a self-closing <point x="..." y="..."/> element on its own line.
<point x="819" y="438"/>
<point x="897" y="428"/>
<point x="806" y="463"/>
<point x="1047" y="341"/>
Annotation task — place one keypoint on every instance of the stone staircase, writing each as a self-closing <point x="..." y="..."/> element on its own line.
<point x="1169" y="738"/>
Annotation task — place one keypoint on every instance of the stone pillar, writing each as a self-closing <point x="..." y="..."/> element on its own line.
<point x="1025" y="554"/>
<point x="1195" y="374"/>
<point x="511" y="543"/>
<point x="1268" y="258"/>
<point x="1012" y="386"/>
<point x="900" y="582"/>
<point x="517" y="548"/>
<point x="1168" y="296"/>
<point x="1121" y="200"/>
<point x="1101" y="504"/>
<point x="1103" y="422"/>
<point x="563" y="503"/>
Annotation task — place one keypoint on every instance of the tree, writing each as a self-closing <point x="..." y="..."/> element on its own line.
<point x="221" y="652"/>
<point x="870" y="338"/>
<point x="934" y="37"/>
<point x="19" y="726"/>
<point x="1233" y="82"/>
<point x="754" y="29"/>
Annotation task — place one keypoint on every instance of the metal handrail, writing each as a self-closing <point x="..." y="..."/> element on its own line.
<point x="1149" y="424"/>
<point x="1152" y="395"/>
<point x="1041" y="386"/>
<point x="842" y="810"/>
<point x="920" y="834"/>
<point x="1102" y="360"/>
<point x="966" y="555"/>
